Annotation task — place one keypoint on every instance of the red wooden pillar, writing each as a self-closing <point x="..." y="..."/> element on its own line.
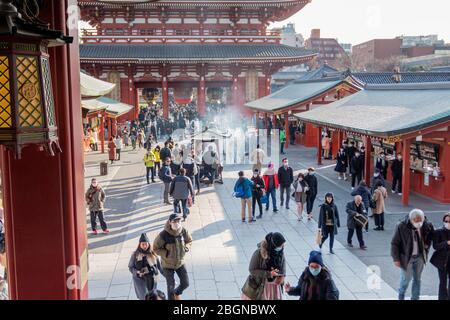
<point x="286" y="129"/>
<point x="201" y="96"/>
<point x="266" y="121"/>
<point x="46" y="223"/>
<point x="110" y="134"/>
<point x="102" y="132"/>
<point x="406" y="171"/>
<point x="274" y="121"/>
<point x="319" y="146"/>
<point x="368" y="160"/>
<point x="137" y="107"/>
<point x="165" y="98"/>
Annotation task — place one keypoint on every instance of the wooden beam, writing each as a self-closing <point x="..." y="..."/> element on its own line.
<point x="406" y="171"/>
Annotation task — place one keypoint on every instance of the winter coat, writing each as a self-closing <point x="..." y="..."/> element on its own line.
<point x="341" y="163"/>
<point x="311" y="180"/>
<point x="323" y="219"/>
<point x="165" y="153"/>
<point x="157" y="155"/>
<point x="95" y="198"/>
<point x="258" y="180"/>
<point x="285" y="176"/>
<point x="112" y="150"/>
<point x="441" y="256"/>
<point x="118" y="142"/>
<point x="300" y="196"/>
<point x="379" y="165"/>
<point x="350" y="152"/>
<point x="402" y="241"/>
<point x="326" y="286"/>
<point x="247" y="186"/>
<point x="172" y="246"/>
<point x="258" y="266"/>
<point x="357" y="165"/>
<point x="378" y="196"/>
<point x="149" y="159"/>
<point x="397" y="168"/>
<point x="166" y="173"/>
<point x="146" y="283"/>
<point x="375" y="182"/>
<point x="364" y="192"/>
<point x="351" y="212"/>
<point x="181" y="187"/>
<point x="266" y="181"/>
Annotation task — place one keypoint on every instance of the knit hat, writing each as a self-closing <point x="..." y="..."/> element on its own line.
<point x="278" y="239"/>
<point x="175" y="216"/>
<point x="144" y="238"/>
<point x="315" y="257"/>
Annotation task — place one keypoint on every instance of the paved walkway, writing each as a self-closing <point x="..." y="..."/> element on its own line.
<point x="223" y="245"/>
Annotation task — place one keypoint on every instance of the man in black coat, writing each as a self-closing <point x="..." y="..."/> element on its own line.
<point x="350" y="150"/>
<point x="397" y="174"/>
<point x="165" y="152"/>
<point x="311" y="194"/>
<point x="354" y="209"/>
<point x="285" y="180"/>
<point x="356" y="167"/>
<point x="441" y="257"/>
<point x="382" y="164"/>
<point x="409" y="250"/>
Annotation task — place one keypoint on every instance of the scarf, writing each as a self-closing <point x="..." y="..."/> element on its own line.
<point x="92" y="191"/>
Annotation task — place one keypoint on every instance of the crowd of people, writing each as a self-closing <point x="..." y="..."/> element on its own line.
<point x="181" y="170"/>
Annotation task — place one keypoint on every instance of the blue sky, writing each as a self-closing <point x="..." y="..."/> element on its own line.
<point x="356" y="21"/>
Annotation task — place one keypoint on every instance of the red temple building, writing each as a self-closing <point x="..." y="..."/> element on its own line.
<point x="187" y="46"/>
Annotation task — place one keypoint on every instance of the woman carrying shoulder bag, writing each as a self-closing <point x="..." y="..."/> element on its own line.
<point x="300" y="189"/>
<point x="267" y="270"/>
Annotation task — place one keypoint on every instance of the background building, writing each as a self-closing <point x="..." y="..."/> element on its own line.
<point x="329" y="51"/>
<point x="377" y="55"/>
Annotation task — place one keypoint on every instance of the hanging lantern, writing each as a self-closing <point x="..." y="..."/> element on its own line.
<point x="183" y="95"/>
<point x="150" y="95"/>
<point x="214" y="94"/>
<point x="27" y="108"/>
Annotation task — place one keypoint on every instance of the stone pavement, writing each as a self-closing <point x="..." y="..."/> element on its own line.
<point x="223" y="245"/>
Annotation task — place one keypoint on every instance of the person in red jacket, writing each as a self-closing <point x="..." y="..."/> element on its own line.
<point x="270" y="178"/>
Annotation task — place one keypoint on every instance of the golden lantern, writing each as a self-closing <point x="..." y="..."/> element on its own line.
<point x="27" y="107"/>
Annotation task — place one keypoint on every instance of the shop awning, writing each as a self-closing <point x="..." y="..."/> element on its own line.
<point x="296" y="93"/>
<point x="112" y="107"/>
<point x="92" y="87"/>
<point x="386" y="110"/>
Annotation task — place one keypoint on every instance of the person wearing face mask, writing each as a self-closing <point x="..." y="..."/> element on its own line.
<point x="441" y="257"/>
<point x="95" y="198"/>
<point x="171" y="245"/>
<point x="257" y="193"/>
<point x="409" y="250"/>
<point x="341" y="164"/>
<point x="377" y="177"/>
<point x="285" y="179"/>
<point x="354" y="209"/>
<point x="300" y="189"/>
<point x="145" y="266"/>
<point x="267" y="270"/>
<point x="328" y="220"/>
<point x="382" y="164"/>
<point x="311" y="194"/>
<point x="356" y="168"/>
<point x="271" y="185"/>
<point x="397" y="174"/>
<point x="315" y="283"/>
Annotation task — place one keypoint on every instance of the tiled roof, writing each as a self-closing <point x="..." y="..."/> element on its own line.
<point x="295" y="93"/>
<point x="191" y="52"/>
<point x="406" y="77"/>
<point x="386" y="110"/>
<point x="322" y="72"/>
